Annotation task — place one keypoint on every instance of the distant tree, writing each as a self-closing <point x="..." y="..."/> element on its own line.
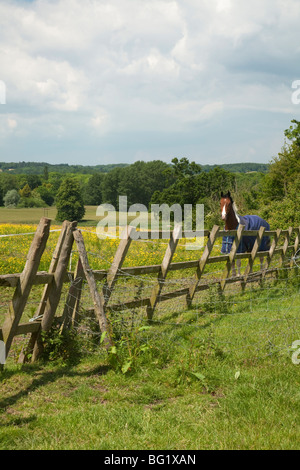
<point x="46" y="193"/>
<point x="46" y="173"/>
<point x="7" y="182"/>
<point x="110" y="187"/>
<point x="26" y="191"/>
<point x="92" y="192"/>
<point x="69" y="202"/>
<point x="194" y="186"/>
<point x="32" y="180"/>
<point x="11" y="198"/>
<point x="139" y="181"/>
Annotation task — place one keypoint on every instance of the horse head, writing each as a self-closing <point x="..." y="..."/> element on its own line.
<point x="226" y="204"/>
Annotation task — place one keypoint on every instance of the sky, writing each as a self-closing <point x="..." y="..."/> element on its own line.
<point x="115" y="81"/>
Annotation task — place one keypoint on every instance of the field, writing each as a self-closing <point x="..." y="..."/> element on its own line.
<point x="33" y="215"/>
<point x="219" y="375"/>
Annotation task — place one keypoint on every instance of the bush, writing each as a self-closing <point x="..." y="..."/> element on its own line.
<point x="11" y="198"/>
<point x="31" y="202"/>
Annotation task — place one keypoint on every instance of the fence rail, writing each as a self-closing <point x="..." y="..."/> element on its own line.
<point x="58" y="275"/>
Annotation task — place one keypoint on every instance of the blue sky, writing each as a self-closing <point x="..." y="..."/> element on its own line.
<point x="97" y="81"/>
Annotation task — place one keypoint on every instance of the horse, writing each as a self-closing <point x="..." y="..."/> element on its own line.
<point x="232" y="221"/>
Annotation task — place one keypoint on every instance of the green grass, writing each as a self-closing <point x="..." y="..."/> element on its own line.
<point x="90" y="407"/>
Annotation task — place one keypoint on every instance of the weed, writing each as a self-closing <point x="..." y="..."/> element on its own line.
<point x="64" y="347"/>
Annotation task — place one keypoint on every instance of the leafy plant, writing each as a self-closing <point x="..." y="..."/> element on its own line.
<point x="62" y="346"/>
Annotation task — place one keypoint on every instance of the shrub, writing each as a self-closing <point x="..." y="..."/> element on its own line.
<point x="11" y="198"/>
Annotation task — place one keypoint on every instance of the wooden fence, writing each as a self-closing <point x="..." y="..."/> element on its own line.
<point x="284" y="243"/>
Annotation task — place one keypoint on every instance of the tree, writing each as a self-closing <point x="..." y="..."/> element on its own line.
<point x="46" y="173"/>
<point x="92" y="192"/>
<point x="293" y="132"/>
<point x="139" y="181"/>
<point x="69" y="202"/>
<point x="194" y="186"/>
<point x="11" y="198"/>
<point x="283" y="171"/>
<point x="26" y="191"/>
<point x="110" y="187"/>
<point x="281" y="185"/>
<point x="7" y="182"/>
<point x="46" y="193"/>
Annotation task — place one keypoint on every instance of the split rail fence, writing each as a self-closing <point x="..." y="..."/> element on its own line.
<point x="284" y="244"/>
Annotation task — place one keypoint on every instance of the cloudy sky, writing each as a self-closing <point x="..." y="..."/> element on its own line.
<point x="110" y="81"/>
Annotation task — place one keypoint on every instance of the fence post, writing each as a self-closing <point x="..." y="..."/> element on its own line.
<point x="154" y="297"/>
<point x="231" y="255"/>
<point x="55" y="287"/>
<point x="253" y="254"/>
<point x="25" y="282"/>
<point x="41" y="308"/>
<point x="271" y="251"/>
<point x="202" y="263"/>
<point x="97" y="298"/>
<point x="71" y="309"/>
<point x="285" y="245"/>
<point x="117" y="263"/>
<point x="296" y="246"/>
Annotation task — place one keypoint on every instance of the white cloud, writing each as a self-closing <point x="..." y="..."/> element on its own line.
<point x="130" y="66"/>
<point x="12" y="123"/>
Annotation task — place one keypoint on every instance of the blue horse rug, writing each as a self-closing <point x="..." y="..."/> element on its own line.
<point x="251" y="222"/>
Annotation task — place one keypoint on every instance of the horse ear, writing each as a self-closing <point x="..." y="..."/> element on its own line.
<point x="228" y="194"/>
<point x="222" y="195"/>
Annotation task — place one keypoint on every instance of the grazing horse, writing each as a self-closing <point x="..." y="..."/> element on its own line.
<point x="232" y="221"/>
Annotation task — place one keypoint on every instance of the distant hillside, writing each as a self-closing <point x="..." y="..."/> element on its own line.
<point x="240" y="167"/>
<point x="33" y="168"/>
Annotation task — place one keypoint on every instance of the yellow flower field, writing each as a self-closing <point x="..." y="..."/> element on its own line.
<point x="14" y="249"/>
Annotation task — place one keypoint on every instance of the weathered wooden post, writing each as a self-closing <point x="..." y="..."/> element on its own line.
<point x="25" y="283"/>
<point x="252" y="256"/>
<point x="164" y="270"/>
<point x="285" y="246"/>
<point x="71" y="309"/>
<point x="231" y="256"/>
<point x="55" y="287"/>
<point x="113" y="272"/>
<point x="296" y="246"/>
<point x="41" y="308"/>
<point x="202" y="263"/>
<point x="97" y="298"/>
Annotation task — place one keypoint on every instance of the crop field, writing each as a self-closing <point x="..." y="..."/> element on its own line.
<point x="219" y="375"/>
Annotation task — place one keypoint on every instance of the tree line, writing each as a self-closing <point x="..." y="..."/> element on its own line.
<point x="272" y="193"/>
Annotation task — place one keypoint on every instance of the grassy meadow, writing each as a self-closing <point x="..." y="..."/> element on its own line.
<point x="33" y="215"/>
<point x="218" y="375"/>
